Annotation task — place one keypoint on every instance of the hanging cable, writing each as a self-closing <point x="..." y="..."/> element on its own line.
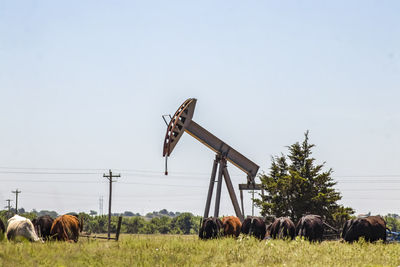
<point x="166" y="165"/>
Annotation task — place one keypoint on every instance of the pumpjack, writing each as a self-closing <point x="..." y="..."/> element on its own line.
<point x="182" y="122"/>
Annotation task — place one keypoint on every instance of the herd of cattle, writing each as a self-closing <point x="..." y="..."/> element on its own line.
<point x="310" y="227"/>
<point x="63" y="228"/>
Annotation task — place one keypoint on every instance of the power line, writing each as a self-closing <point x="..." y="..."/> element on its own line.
<point x="374" y="199"/>
<point x="369" y="181"/>
<point x="139" y="183"/>
<point x="188" y="176"/>
<point x="162" y="196"/>
<point x="75" y="173"/>
<point x="150" y="172"/>
<point x="171" y="185"/>
<point x="54" y="169"/>
<point x="367" y="176"/>
<point x="50" y="181"/>
<point x="157" y="172"/>
<point x="130" y="196"/>
<point x="97" y="182"/>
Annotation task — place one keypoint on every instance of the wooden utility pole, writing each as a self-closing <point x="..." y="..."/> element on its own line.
<point x="8" y="207"/>
<point x="252" y="203"/>
<point x="110" y="177"/>
<point x="16" y="192"/>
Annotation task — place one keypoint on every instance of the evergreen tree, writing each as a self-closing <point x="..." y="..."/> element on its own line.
<point x="296" y="186"/>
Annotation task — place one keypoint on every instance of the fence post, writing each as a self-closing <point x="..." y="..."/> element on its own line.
<point x="118" y="228"/>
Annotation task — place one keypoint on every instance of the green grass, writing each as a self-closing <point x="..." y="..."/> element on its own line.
<point x="168" y="250"/>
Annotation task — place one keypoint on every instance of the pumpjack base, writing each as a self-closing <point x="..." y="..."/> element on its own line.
<point x="220" y="163"/>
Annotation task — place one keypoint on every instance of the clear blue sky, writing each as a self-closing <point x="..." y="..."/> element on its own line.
<point x="83" y="85"/>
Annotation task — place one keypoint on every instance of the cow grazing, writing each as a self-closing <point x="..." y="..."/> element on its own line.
<point x="231" y="226"/>
<point x="254" y="226"/>
<point x="282" y="228"/>
<point x="2" y="230"/>
<point x="371" y="228"/>
<point x="210" y="228"/>
<point x="66" y="228"/>
<point x="21" y="227"/>
<point x="43" y="226"/>
<point x="311" y="227"/>
<point x="346" y="227"/>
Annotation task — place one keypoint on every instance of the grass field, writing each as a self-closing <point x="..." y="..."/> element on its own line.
<point x="167" y="250"/>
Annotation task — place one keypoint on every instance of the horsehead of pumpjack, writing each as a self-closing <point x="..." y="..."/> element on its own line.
<point x="182" y="122"/>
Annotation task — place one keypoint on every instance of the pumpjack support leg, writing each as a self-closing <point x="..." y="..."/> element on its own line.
<point x="211" y="187"/>
<point x="231" y="192"/>
<point x="220" y="164"/>
<point x="219" y="187"/>
<point x="241" y="201"/>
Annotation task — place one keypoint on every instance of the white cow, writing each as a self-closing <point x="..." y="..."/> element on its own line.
<point x="21" y="226"/>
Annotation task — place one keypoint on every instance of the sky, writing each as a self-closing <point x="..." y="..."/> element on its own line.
<point x="83" y="85"/>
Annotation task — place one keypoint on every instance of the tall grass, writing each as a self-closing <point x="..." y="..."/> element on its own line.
<point x="159" y="250"/>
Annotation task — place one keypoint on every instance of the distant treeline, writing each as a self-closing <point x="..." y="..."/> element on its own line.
<point x="184" y="223"/>
<point x="54" y="214"/>
<point x="162" y="222"/>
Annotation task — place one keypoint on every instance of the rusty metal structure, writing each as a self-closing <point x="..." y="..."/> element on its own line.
<point x="182" y="122"/>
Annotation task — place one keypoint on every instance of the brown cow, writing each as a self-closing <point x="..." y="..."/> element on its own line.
<point x="231" y="226"/>
<point x="66" y="228"/>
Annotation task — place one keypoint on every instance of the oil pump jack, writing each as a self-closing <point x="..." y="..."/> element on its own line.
<point x="182" y="122"/>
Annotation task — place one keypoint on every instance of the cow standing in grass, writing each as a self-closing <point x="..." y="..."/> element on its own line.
<point x="2" y="230"/>
<point x="311" y="227"/>
<point x="282" y="228"/>
<point x="371" y="228"/>
<point x="210" y="228"/>
<point x="66" y="228"/>
<point x="254" y="226"/>
<point x="43" y="226"/>
<point x="231" y="226"/>
<point x="21" y="227"/>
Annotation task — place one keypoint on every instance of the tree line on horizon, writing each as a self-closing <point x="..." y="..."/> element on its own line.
<point x="184" y="223"/>
<point x="156" y="222"/>
<point x="34" y="213"/>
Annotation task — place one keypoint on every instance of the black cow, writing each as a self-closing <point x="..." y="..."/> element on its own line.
<point x="346" y="227"/>
<point x="282" y="228"/>
<point x="254" y="226"/>
<point x="2" y="230"/>
<point x="43" y="226"/>
<point x="311" y="227"/>
<point x="211" y="227"/>
<point x="372" y="228"/>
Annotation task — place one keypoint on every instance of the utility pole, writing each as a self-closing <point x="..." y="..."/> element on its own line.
<point x="110" y="177"/>
<point x="252" y="203"/>
<point x="8" y="207"/>
<point x="16" y="192"/>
